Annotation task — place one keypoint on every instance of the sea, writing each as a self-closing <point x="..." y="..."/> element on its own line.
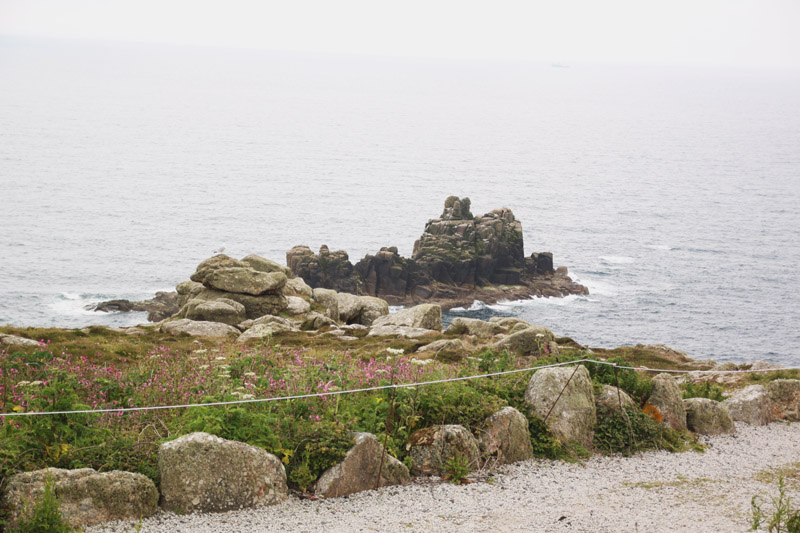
<point x="672" y="193"/>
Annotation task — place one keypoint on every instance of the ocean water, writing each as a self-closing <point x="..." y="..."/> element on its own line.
<point x="671" y="193"/>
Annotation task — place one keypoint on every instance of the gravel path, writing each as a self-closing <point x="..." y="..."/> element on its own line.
<point x="649" y="493"/>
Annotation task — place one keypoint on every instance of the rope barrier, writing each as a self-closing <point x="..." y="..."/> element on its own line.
<point x="376" y="388"/>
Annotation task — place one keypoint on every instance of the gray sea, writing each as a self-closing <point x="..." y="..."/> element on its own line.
<point x="672" y="193"/>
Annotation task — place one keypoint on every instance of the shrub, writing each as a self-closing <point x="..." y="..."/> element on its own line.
<point x="703" y="390"/>
<point x="45" y="516"/>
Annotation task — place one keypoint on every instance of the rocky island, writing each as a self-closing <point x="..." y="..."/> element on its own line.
<point x="458" y="259"/>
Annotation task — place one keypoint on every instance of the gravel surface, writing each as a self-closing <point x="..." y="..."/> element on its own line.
<point x="651" y="492"/>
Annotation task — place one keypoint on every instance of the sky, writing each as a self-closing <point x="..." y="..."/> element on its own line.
<point x="745" y="33"/>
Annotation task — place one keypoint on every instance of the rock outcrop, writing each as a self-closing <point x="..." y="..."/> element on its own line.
<point x="87" y="497"/>
<point x="572" y="416"/>
<point x="203" y="473"/>
<point x="359" y="470"/>
<point x="432" y="447"/>
<point x="458" y="258"/>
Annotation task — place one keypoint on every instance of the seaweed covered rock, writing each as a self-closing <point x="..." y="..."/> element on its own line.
<point x="359" y="470"/>
<point x="204" y="473"/>
<point x="87" y="497"/>
<point x="571" y="415"/>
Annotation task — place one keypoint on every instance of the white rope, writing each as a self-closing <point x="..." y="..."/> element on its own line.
<point x="381" y="387"/>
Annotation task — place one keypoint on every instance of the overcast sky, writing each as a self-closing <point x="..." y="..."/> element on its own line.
<point x="683" y="32"/>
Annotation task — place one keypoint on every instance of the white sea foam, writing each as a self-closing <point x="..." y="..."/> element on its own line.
<point x="617" y="259"/>
<point x="664" y="247"/>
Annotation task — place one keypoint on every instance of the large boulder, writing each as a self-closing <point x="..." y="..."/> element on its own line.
<point x="431" y="448"/>
<point x="222" y="310"/>
<point x="360" y="309"/>
<point x="255" y="306"/>
<point x="15" y="341"/>
<point x="266" y="327"/>
<point x="262" y="264"/>
<point x="473" y="326"/>
<point x="329" y="299"/>
<point x="297" y="305"/>
<point x="87" y="497"/>
<point x="424" y="316"/>
<point x="667" y="399"/>
<point x="399" y="331"/>
<point x="570" y="417"/>
<point x="749" y="405"/>
<point x="505" y="437"/>
<point x="198" y="328"/>
<point x="614" y="399"/>
<point x="314" y="320"/>
<point x="299" y="288"/>
<point x="359" y="470"/>
<point x="784" y="397"/>
<point x="533" y="340"/>
<point x="213" y="263"/>
<point x="186" y="291"/>
<point x="204" y="473"/>
<point x="707" y="417"/>
<point x="245" y="280"/>
<point x="443" y="345"/>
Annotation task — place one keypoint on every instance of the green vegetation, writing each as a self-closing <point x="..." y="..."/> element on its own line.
<point x="784" y="517"/>
<point x="703" y="390"/>
<point x="45" y="516"/>
<point x="99" y="368"/>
